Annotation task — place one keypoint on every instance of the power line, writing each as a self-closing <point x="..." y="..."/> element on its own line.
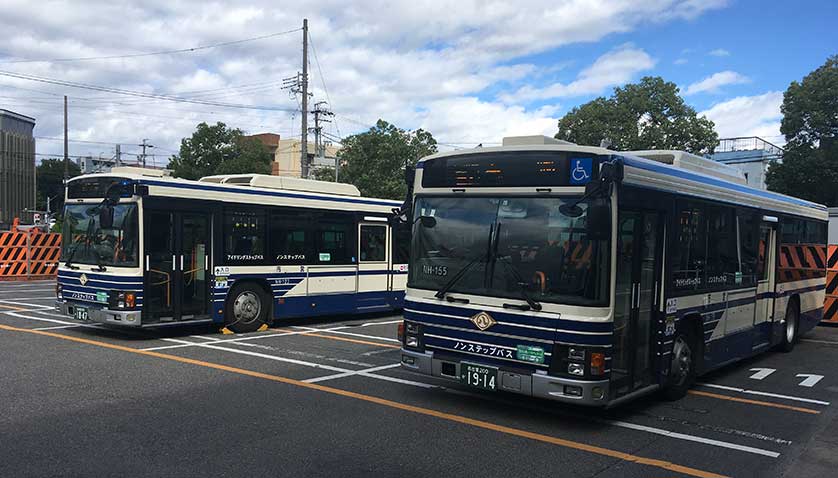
<point x="155" y="53"/>
<point x="322" y="78"/>
<point x="139" y="94"/>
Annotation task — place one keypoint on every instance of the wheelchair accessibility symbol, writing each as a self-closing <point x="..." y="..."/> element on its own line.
<point x="580" y="170"/>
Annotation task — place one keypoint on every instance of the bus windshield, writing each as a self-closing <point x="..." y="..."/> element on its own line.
<point x="513" y="247"/>
<point x="84" y="241"/>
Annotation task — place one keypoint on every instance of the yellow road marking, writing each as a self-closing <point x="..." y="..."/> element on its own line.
<point x="19" y="309"/>
<point x="666" y="465"/>
<point x="754" y="402"/>
<point x="355" y="341"/>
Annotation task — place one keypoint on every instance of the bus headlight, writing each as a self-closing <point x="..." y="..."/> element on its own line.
<point x="576" y="369"/>
<point x="412" y="341"/>
<point x="59" y="291"/>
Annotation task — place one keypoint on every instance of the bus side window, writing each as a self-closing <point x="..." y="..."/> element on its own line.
<point x="291" y="239"/>
<point x="334" y="239"/>
<point x="373" y="243"/>
<point x="690" y="252"/>
<point x="244" y="233"/>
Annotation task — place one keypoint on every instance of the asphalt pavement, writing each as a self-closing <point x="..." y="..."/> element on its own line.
<point x="325" y="397"/>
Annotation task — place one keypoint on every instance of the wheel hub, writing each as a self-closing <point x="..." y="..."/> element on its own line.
<point x="247" y="307"/>
<point x="681" y="360"/>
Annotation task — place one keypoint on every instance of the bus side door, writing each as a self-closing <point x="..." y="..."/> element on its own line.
<point x="373" y="263"/>
<point x="766" y="273"/>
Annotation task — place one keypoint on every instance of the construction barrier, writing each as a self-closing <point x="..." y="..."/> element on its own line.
<point x="830" y="303"/>
<point x="28" y="255"/>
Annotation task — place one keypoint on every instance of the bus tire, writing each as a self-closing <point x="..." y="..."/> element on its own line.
<point x="790" y="328"/>
<point x="682" y="369"/>
<point x="247" y="309"/>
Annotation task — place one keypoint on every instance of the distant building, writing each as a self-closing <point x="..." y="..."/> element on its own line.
<point x="17" y="165"/>
<point x="752" y="155"/>
<point x="286" y="154"/>
<point x="90" y="165"/>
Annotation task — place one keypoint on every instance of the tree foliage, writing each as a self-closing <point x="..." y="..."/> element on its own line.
<point x="645" y="115"/>
<point x="50" y="182"/>
<point x="374" y="160"/>
<point x="810" y="124"/>
<point x="218" y="149"/>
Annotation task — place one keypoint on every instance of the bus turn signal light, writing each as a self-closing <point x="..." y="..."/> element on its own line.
<point x="401" y="331"/>
<point x="597" y="363"/>
<point x="130" y="300"/>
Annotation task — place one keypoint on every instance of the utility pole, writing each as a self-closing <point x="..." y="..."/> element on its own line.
<point x="118" y="155"/>
<point x="66" y="147"/>
<point x="144" y="146"/>
<point x="304" y="164"/>
<point x="320" y="112"/>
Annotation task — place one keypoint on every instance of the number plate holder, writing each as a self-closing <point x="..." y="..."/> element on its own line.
<point x="479" y="376"/>
<point x="80" y="313"/>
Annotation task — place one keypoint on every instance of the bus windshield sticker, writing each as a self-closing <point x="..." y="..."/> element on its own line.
<point x="580" y="170"/>
<point x="671" y="305"/>
<point x="325" y="257"/>
<point x="529" y="353"/>
<point x="101" y="297"/>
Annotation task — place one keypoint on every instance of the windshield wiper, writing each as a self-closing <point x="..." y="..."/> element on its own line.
<point x="69" y="264"/>
<point x="522" y="285"/>
<point x="440" y="294"/>
<point x="100" y="263"/>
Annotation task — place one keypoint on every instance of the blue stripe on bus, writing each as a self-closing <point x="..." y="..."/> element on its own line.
<point x="553" y="323"/>
<point x="721" y="306"/>
<point x="449" y="342"/>
<point x="100" y="277"/>
<point x="427" y="319"/>
<point x="240" y="190"/>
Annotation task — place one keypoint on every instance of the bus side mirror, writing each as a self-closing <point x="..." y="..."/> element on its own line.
<point x="611" y="172"/>
<point x="598" y="223"/>
<point x="106" y="217"/>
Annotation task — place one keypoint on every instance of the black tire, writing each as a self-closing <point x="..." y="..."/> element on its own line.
<point x="791" y="326"/>
<point x="247" y="308"/>
<point x="682" y="367"/>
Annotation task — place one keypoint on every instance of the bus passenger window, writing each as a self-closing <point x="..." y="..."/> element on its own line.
<point x="690" y="254"/>
<point x="373" y="243"/>
<point x="244" y="234"/>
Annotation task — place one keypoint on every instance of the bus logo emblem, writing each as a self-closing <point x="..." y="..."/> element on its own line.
<point x="83" y="279"/>
<point x="483" y="320"/>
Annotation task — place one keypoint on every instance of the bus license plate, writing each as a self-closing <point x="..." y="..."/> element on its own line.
<point x="479" y="376"/>
<point x="80" y="313"/>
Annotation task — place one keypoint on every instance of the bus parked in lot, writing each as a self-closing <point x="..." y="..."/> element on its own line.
<point x="142" y="249"/>
<point x="590" y="276"/>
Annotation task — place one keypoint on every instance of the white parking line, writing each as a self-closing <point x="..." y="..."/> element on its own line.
<point x="307" y="330"/>
<point x="56" y="327"/>
<point x="827" y="342"/>
<point x="693" y="438"/>
<point x="362" y="373"/>
<point x="349" y="374"/>
<point x="370" y="324"/>
<point x="206" y="337"/>
<point x="18" y="291"/>
<point x="54" y="321"/>
<point x="37" y="306"/>
<point x="764" y="394"/>
<point x="342" y="332"/>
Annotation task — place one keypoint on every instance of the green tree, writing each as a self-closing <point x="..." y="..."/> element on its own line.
<point x="374" y="160"/>
<point x="645" y="115"/>
<point x="50" y="182"/>
<point x="218" y="149"/>
<point x="809" y="169"/>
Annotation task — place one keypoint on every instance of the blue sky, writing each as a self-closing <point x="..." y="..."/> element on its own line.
<point x="470" y="72"/>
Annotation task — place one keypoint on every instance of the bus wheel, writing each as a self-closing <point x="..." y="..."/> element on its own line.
<point x="247" y="309"/>
<point x="682" y="368"/>
<point x="791" y="328"/>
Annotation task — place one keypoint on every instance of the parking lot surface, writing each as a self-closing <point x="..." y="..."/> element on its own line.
<point x="326" y="397"/>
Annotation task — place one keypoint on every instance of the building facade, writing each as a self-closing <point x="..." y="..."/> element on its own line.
<point x="287" y="154"/>
<point x="751" y="155"/>
<point x="17" y="166"/>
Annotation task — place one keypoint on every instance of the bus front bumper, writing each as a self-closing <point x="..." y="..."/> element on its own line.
<point x="129" y="318"/>
<point x="580" y="392"/>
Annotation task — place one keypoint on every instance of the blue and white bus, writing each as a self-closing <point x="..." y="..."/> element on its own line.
<point x="590" y="276"/>
<point x="142" y="249"/>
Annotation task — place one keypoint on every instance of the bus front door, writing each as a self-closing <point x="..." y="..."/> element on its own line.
<point x="639" y="248"/>
<point x="176" y="263"/>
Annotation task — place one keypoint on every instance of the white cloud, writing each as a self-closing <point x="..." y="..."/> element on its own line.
<point x="714" y="82"/>
<point x="417" y="64"/>
<point x="719" y="52"/>
<point x="613" y="68"/>
<point x="680" y="61"/>
<point x="748" y="116"/>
